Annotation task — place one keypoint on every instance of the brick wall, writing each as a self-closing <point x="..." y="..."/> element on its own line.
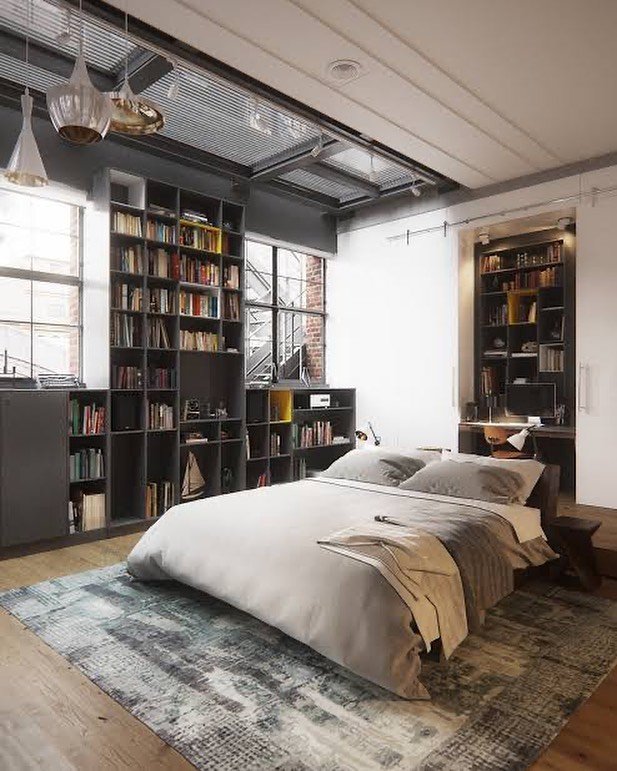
<point x="314" y="327"/>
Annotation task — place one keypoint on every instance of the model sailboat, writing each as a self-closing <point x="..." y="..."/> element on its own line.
<point x="193" y="484"/>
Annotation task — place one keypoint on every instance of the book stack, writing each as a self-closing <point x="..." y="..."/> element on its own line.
<point x="491" y="262"/>
<point x="127" y="224"/>
<point x="160" y="377"/>
<point x="160" y="231"/>
<point x="312" y="434"/>
<point x="204" y="305"/>
<point x="551" y="359"/>
<point x="128" y="259"/>
<point x="87" y="512"/>
<point x="159" y="498"/>
<point x="124" y="330"/>
<point x="196" y="271"/>
<point x="163" y="265"/>
<point x="86" y="464"/>
<point x="157" y="334"/>
<point x="125" y="377"/>
<point x="86" y="419"/>
<point x="231" y="307"/>
<point x="275" y="444"/>
<point x="231" y="276"/>
<point x="161" y="301"/>
<point x="202" y="237"/>
<point x="160" y="416"/>
<point x="497" y="316"/>
<point x="198" y="341"/>
<point x="126" y="297"/>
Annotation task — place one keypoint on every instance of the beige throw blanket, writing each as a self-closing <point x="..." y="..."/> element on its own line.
<point x="419" y="569"/>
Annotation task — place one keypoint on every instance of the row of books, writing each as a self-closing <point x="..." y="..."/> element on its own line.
<point x="199" y="238"/>
<point x="196" y="271"/>
<point x="231" y="307"/>
<point x="128" y="259"/>
<point x="163" y="264"/>
<point x="525" y="310"/>
<point x="496" y="315"/>
<point x="551" y="253"/>
<point x="127" y="297"/>
<point x="312" y="434"/>
<point x="159" y="498"/>
<point x="300" y="468"/>
<point x="128" y="224"/>
<point x="87" y="512"/>
<point x="86" y="464"/>
<point x="198" y="341"/>
<point x="161" y="300"/>
<point x="551" y="359"/>
<point x="161" y="377"/>
<point x="125" y="330"/>
<point x="231" y="276"/>
<point x="158" y="336"/>
<point x="194" y="304"/>
<point x="86" y="418"/>
<point x="532" y="280"/>
<point x="160" y="416"/>
<point x="126" y="377"/>
<point x="275" y="444"/>
<point x="160" y="231"/>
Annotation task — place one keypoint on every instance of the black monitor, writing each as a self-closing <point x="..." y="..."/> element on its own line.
<point x="536" y="399"/>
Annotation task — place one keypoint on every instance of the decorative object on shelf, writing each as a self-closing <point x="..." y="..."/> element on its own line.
<point x="471" y="412"/>
<point x="79" y="112"/>
<point x="193" y="484"/>
<point x="132" y="114"/>
<point x="319" y="401"/>
<point x="25" y="166"/>
<point x="53" y="380"/>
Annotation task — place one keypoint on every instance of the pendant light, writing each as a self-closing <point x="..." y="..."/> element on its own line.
<point x="25" y="165"/>
<point x="79" y="112"/>
<point x="132" y="114"/>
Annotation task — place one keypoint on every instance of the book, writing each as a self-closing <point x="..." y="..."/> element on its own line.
<point x="86" y="418"/>
<point x="126" y="224"/>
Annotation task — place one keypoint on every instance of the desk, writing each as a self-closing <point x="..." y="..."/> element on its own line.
<point x="555" y="443"/>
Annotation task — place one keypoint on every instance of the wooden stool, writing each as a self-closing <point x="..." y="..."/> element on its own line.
<point x="573" y="536"/>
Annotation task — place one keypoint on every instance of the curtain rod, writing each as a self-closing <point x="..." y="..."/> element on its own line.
<point x="593" y="193"/>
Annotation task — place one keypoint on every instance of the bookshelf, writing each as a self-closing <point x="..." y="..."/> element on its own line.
<point x="278" y="421"/>
<point x="176" y="339"/>
<point x="525" y="318"/>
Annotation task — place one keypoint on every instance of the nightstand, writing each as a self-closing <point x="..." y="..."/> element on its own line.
<point x="573" y="539"/>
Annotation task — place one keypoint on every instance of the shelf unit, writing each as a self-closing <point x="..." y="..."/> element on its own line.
<point x="281" y="413"/>
<point x="170" y="255"/>
<point x="525" y="317"/>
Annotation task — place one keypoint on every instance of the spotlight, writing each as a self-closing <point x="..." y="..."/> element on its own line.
<point x="63" y="38"/>
<point x="416" y="190"/>
<point x="372" y="173"/>
<point x="564" y="222"/>
<point x="174" y="88"/>
<point x="316" y="151"/>
<point x="484" y="238"/>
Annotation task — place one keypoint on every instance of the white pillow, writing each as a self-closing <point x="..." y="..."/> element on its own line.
<point x="426" y="456"/>
<point x="530" y="470"/>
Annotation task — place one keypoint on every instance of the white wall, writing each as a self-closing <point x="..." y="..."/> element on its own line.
<point x="393" y="334"/>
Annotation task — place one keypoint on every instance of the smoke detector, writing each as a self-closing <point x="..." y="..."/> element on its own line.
<point x="344" y="70"/>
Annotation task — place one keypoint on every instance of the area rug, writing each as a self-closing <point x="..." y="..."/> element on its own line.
<point x="229" y="692"/>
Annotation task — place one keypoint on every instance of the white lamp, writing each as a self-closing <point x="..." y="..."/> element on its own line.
<point x="518" y="440"/>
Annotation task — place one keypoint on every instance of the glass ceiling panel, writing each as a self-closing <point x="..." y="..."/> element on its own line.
<point x="304" y="178"/>
<point x="57" y="27"/>
<point x="357" y="161"/>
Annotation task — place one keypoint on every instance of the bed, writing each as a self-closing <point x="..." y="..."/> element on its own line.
<point x="258" y="550"/>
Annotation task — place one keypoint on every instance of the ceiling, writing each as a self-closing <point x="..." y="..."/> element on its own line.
<point x="481" y="91"/>
<point x="211" y="119"/>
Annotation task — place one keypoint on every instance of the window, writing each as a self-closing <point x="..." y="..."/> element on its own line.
<point x="40" y="285"/>
<point x="285" y="314"/>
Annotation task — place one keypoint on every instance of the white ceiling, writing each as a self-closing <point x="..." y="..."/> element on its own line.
<point x="481" y="90"/>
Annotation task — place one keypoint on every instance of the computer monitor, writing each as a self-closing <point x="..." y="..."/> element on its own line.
<point x="536" y="399"/>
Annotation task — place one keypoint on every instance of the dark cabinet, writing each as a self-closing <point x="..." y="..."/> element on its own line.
<point x="34" y="484"/>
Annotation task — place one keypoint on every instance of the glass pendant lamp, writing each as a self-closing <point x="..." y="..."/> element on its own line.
<point x="132" y="114"/>
<point x="25" y="165"/>
<point x="79" y="112"/>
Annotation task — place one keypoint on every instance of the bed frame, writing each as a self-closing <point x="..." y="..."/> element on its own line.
<point x="544" y="497"/>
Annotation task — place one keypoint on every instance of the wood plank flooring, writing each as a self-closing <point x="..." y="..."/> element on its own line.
<point x="53" y="717"/>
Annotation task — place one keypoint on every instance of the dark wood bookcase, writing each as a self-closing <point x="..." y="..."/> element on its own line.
<point x="525" y="318"/>
<point x="274" y="420"/>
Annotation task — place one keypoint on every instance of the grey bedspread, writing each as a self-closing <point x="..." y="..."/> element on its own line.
<point x="258" y="551"/>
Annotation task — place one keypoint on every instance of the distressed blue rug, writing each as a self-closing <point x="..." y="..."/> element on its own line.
<point x="229" y="692"/>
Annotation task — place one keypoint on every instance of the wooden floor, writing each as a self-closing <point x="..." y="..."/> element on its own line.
<point x="53" y="717"/>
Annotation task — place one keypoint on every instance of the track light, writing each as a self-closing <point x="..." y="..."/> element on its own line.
<point x="316" y="151"/>
<point x="174" y="88"/>
<point x="416" y="190"/>
<point x="564" y="222"/>
<point x="484" y="238"/>
<point x="63" y="38"/>
<point x="372" y="174"/>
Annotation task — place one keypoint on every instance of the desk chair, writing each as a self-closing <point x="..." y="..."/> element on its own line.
<point x="497" y="439"/>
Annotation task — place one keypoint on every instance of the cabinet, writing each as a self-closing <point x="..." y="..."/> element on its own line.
<point x="34" y="484"/>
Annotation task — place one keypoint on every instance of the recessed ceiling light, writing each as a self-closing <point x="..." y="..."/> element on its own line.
<point x="344" y="70"/>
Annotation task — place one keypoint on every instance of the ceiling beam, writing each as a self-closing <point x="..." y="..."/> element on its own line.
<point x="144" y="68"/>
<point x="297" y="158"/>
<point x="345" y="178"/>
<point x="14" y="45"/>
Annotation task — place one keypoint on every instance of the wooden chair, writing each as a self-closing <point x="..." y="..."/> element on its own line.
<point x="497" y="439"/>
